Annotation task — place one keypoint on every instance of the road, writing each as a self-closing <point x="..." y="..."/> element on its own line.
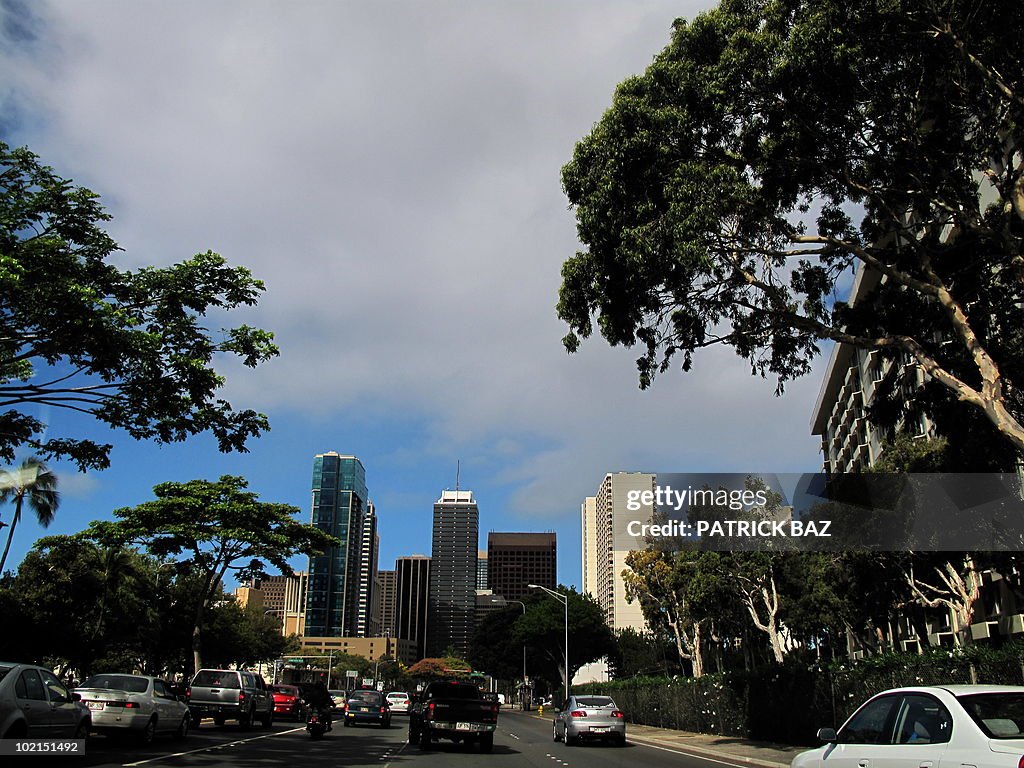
<point x="522" y="741"/>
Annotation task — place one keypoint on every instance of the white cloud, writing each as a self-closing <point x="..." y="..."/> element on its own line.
<point x="391" y="170"/>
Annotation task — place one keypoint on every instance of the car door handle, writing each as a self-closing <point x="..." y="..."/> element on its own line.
<point x="927" y="764"/>
<point x="863" y="763"/>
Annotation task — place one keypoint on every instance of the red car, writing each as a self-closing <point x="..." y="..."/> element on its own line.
<point x="288" y="701"/>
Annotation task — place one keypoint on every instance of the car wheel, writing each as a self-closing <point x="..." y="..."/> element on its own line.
<point x="245" y="721"/>
<point x="554" y="732"/>
<point x="182" y="732"/>
<point x="219" y="719"/>
<point x="486" y="742"/>
<point x="424" y="741"/>
<point x="149" y="732"/>
<point x="620" y="741"/>
<point x="570" y="741"/>
<point x="267" y="720"/>
<point x="81" y="732"/>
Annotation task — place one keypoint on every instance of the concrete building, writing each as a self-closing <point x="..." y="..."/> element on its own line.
<point x="372" y="648"/>
<point x="606" y="544"/>
<point x="385" y="602"/>
<point x="481" y="569"/>
<point x="369" y="546"/>
<point x="340" y="504"/>
<point x="283" y="597"/>
<point x="517" y="559"/>
<point x="453" y="573"/>
<point x="412" y="587"/>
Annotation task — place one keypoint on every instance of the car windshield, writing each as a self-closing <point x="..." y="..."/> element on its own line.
<point x="212" y="678"/>
<point x="595" y="701"/>
<point x="287" y="690"/>
<point x="999" y="715"/>
<point x="129" y="683"/>
<point x="398" y="695"/>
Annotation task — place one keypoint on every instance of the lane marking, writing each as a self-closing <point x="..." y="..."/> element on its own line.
<point x="741" y="763"/>
<point x="401" y="749"/>
<point x="211" y="748"/>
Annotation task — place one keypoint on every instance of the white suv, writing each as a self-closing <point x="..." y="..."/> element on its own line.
<point x="399" y="702"/>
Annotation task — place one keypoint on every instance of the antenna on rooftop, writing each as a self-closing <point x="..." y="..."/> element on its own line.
<point x="458" y="471"/>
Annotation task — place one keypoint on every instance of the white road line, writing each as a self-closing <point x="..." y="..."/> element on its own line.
<point x="740" y="762"/>
<point x="401" y="749"/>
<point x="210" y="748"/>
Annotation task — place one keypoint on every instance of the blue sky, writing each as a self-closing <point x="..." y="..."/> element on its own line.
<point x="391" y="171"/>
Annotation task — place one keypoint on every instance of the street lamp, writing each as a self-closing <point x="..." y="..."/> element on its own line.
<point x="564" y="600"/>
<point x="523" y="693"/>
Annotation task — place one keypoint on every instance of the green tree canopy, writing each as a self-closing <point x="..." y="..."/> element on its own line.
<point x="216" y="528"/>
<point x="126" y="347"/>
<point x="775" y="146"/>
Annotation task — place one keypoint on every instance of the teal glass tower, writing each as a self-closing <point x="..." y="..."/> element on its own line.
<point x="340" y="508"/>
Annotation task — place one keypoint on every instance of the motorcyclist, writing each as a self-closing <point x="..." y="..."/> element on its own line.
<point x="319" y="699"/>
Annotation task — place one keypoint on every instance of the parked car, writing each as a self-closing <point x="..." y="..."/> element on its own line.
<point x="35" y="704"/>
<point x="977" y="725"/>
<point x="399" y="702"/>
<point x="136" y="704"/>
<point x="288" y="701"/>
<point x="230" y="694"/>
<point x="589" y="717"/>
<point x="367" y="706"/>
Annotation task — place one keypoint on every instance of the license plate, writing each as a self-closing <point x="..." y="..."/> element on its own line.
<point x="600" y="729"/>
<point x="96" y="705"/>
<point x="463" y="727"/>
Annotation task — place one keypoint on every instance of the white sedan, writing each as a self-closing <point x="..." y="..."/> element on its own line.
<point x="942" y="727"/>
<point x="137" y="704"/>
<point x="399" y="702"/>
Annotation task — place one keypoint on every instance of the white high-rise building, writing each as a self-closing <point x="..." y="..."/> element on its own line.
<point x="607" y="543"/>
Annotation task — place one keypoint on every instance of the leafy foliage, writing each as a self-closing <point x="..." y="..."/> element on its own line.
<point x="773" y="147"/>
<point x="126" y="347"/>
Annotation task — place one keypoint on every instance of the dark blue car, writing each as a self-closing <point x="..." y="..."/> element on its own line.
<point x="367" y="706"/>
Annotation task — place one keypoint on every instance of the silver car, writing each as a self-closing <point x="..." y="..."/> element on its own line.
<point x="135" y="704"/>
<point x="35" y="704"/>
<point x="589" y="717"/>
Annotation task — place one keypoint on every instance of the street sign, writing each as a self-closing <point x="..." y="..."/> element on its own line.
<point x="296" y="661"/>
<point x="351" y="673"/>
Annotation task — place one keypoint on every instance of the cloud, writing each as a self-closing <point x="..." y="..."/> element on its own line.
<point x="391" y="170"/>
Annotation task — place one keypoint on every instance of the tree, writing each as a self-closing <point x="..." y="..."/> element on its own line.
<point x="125" y="347"/>
<point x="773" y="147"/>
<point x="542" y="627"/>
<point x="218" y="527"/>
<point x="32" y="482"/>
<point x="494" y="648"/>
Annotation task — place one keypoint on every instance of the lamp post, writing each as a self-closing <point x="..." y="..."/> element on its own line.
<point x="523" y="693"/>
<point x="564" y="600"/>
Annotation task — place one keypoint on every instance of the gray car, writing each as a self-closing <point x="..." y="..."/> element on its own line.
<point x="589" y="717"/>
<point x="136" y="704"/>
<point x="35" y="704"/>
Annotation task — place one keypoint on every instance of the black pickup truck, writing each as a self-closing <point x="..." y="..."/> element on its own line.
<point x="455" y="711"/>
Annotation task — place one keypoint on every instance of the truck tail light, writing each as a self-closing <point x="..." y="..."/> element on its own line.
<point x="188" y="693"/>
<point x="429" y="714"/>
<point x="241" y="696"/>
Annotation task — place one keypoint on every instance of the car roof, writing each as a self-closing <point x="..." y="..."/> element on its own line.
<point x="958" y="689"/>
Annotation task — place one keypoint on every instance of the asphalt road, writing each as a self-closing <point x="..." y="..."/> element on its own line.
<point x="522" y="741"/>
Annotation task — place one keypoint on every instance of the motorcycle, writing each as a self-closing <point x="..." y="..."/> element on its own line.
<point x="316" y="724"/>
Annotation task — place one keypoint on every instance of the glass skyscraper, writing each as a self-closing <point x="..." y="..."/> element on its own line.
<point x="341" y="508"/>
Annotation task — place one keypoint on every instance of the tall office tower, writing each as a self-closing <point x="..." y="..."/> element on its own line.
<point x="412" y="577"/>
<point x="284" y="597"/>
<point x="339" y="508"/>
<point x="610" y="543"/>
<point x="384" y="604"/>
<point x="481" y="569"/>
<point x="517" y="559"/>
<point x="453" y="574"/>
<point x="369" y="545"/>
<point x="588" y="515"/>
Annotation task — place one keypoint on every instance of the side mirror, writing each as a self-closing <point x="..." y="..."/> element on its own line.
<point x="76" y="697"/>
<point x="828" y="735"/>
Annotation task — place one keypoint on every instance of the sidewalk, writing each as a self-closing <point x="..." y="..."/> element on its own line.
<point x="729" y="748"/>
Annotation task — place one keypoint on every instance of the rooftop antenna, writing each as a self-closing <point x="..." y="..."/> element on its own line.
<point x="458" y="471"/>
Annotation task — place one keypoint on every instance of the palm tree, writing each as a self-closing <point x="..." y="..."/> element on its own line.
<point x="34" y="482"/>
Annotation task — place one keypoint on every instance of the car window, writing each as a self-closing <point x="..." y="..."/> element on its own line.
<point x="56" y="690"/>
<point x="872" y="723"/>
<point x="594" y="701"/>
<point x="130" y="683"/>
<point x="161" y="690"/>
<point x="999" y="715"/>
<point x="287" y="690"/>
<point x="4" y="671"/>
<point x="922" y="720"/>
<point x="371" y="697"/>
<point x="213" y="678"/>
<point x="29" y="686"/>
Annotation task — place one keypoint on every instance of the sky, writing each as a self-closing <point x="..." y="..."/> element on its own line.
<point x="391" y="171"/>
